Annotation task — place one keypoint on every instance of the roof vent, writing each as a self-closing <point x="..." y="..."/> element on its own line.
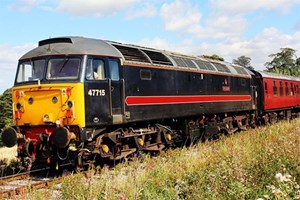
<point x="55" y="40"/>
<point x="157" y="57"/>
<point x="132" y="54"/>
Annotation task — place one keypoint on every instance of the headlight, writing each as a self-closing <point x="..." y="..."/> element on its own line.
<point x="30" y="100"/>
<point x="54" y="100"/>
<point x="18" y="106"/>
<point x="70" y="104"/>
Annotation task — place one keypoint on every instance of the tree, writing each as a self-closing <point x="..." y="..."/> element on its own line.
<point x="284" y="62"/>
<point x="5" y="110"/>
<point x="213" y="57"/>
<point x="243" y="61"/>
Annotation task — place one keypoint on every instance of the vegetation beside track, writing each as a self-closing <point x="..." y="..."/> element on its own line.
<point x="8" y="155"/>
<point x="262" y="163"/>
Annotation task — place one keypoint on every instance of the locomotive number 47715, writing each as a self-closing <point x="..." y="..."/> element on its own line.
<point x="96" y="92"/>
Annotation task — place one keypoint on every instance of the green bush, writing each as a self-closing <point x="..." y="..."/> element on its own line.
<point x="5" y="111"/>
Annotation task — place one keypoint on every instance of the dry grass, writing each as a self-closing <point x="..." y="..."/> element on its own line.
<point x="261" y="163"/>
<point x="8" y="154"/>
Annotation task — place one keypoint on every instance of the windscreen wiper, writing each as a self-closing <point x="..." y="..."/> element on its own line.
<point x="64" y="64"/>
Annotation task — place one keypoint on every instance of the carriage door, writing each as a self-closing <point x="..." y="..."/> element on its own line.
<point x="116" y="87"/>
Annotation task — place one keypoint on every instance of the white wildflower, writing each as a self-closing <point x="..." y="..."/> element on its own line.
<point x="283" y="178"/>
<point x="278" y="176"/>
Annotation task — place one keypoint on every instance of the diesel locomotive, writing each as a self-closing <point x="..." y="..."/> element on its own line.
<point x="84" y="100"/>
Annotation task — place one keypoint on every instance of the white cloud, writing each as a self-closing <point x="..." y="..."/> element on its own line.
<point x="184" y="17"/>
<point x="147" y="10"/>
<point x="269" y="41"/>
<point x="26" y="5"/>
<point x="221" y="26"/>
<point x="233" y="6"/>
<point x="297" y="25"/>
<point x="226" y="19"/>
<point x="93" y="7"/>
<point x="75" y="7"/>
<point x="9" y="56"/>
<point x="179" y="16"/>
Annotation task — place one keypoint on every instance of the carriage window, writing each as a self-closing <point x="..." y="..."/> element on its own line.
<point x="274" y="88"/>
<point x="281" y="88"/>
<point x="266" y="87"/>
<point x="292" y="90"/>
<point x="286" y="89"/>
<point x="63" y="68"/>
<point x="114" y="70"/>
<point x="30" y="71"/>
<point x="95" y="69"/>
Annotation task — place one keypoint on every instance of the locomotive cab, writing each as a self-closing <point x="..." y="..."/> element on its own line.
<point x="103" y="91"/>
<point x="48" y="111"/>
<point x="59" y="99"/>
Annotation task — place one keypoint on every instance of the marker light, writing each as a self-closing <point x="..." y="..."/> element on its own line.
<point x="17" y="94"/>
<point x="69" y="91"/>
<point x="69" y="113"/>
<point x="17" y="114"/>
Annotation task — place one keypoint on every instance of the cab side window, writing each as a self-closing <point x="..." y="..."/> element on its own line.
<point x="114" y="70"/>
<point x="95" y="69"/>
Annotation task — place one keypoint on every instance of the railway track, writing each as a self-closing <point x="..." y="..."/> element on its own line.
<point x="18" y="184"/>
<point x="21" y="183"/>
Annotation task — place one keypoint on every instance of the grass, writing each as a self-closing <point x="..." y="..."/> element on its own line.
<point x="257" y="164"/>
<point x="7" y="155"/>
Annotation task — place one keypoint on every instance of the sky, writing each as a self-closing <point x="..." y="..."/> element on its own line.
<point x="228" y="28"/>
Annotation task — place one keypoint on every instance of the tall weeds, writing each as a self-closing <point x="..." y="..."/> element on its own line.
<point x="257" y="164"/>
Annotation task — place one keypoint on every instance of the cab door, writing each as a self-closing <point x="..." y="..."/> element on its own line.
<point x="96" y="92"/>
<point x="103" y="92"/>
<point x="116" y="91"/>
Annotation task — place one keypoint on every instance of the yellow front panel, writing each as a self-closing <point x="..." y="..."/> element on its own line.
<point x="38" y="105"/>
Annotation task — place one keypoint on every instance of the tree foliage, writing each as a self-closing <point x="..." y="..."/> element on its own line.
<point x="243" y="61"/>
<point x="5" y="110"/>
<point x="284" y="62"/>
<point x="213" y="57"/>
